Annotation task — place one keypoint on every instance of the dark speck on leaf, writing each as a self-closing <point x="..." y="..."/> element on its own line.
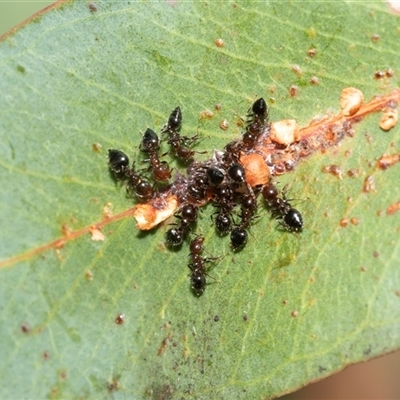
<point x="216" y="318"/>
<point x="113" y="386"/>
<point x="119" y="319"/>
<point x="92" y="7"/>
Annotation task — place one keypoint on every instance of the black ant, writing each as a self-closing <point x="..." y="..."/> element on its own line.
<point x="176" y="141"/>
<point x="223" y="196"/>
<point x="215" y="176"/>
<point x="282" y="209"/>
<point x="256" y="123"/>
<point x="188" y="215"/>
<point x="198" y="265"/>
<point x="198" y="184"/>
<point x="151" y="144"/>
<point x="119" y="164"/>
<point x="231" y="154"/>
<point x="239" y="232"/>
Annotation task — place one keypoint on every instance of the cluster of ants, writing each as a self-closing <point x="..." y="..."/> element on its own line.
<point x="221" y="180"/>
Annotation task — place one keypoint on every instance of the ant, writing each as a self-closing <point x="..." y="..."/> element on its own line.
<point x="215" y="176"/>
<point x="175" y="236"/>
<point x="231" y="154"/>
<point x="176" y="141"/>
<point x="119" y="164"/>
<point x="198" y="185"/>
<point x="198" y="265"/>
<point x="239" y="232"/>
<point x="256" y="123"/>
<point x="151" y="144"/>
<point x="223" y="196"/>
<point x="282" y="209"/>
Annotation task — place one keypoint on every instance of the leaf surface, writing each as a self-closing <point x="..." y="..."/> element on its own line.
<point x="289" y="308"/>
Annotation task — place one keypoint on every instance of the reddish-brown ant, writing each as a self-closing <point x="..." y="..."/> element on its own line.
<point x="197" y="265"/>
<point x="176" y="141"/>
<point x="151" y="144"/>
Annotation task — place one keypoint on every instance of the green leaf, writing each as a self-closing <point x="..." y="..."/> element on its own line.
<point x="289" y="308"/>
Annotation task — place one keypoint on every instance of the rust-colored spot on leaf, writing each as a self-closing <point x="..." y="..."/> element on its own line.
<point x="393" y="208"/>
<point x="344" y="222"/>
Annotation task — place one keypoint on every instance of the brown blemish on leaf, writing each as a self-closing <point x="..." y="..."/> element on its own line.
<point x="164" y="344"/>
<point x="353" y="172"/>
<point x="120" y="319"/>
<point x="389" y="73"/>
<point x="293" y="90"/>
<point x="393" y="208"/>
<point x="375" y="37"/>
<point x="89" y="275"/>
<point x="224" y="124"/>
<point x="25" y="328"/>
<point x="354" y="221"/>
<point x="297" y="69"/>
<point x="386" y="161"/>
<point x="314" y="80"/>
<point x="219" y="43"/>
<point x="376" y="254"/>
<point x="63" y="374"/>
<point x="369" y="184"/>
<point x="92" y="7"/>
<point x="96" y="147"/>
<point x="311" y="52"/>
<point x="379" y="74"/>
<point x="107" y="210"/>
<point x="344" y="222"/>
<point x="113" y="386"/>
<point x="218" y="106"/>
<point x="46" y="355"/>
<point x="295" y="313"/>
<point x="96" y="233"/>
<point x="334" y="170"/>
<point x="206" y="114"/>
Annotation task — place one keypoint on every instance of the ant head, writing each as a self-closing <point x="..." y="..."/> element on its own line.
<point x="150" y="141"/>
<point x="118" y="160"/>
